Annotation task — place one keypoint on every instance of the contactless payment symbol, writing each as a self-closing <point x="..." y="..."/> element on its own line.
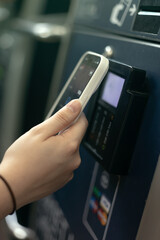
<point x="104" y="180"/>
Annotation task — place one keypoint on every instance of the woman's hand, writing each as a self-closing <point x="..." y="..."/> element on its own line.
<point x="40" y="161"/>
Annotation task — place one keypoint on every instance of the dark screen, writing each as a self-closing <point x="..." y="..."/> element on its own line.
<point x="79" y="80"/>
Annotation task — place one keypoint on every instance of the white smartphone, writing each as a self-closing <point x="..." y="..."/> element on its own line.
<point x="83" y="82"/>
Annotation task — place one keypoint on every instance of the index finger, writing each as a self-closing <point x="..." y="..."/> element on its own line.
<point x="77" y="130"/>
<point x="61" y="119"/>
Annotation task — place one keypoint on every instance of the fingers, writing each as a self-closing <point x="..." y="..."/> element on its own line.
<point x="77" y="131"/>
<point x="61" y="120"/>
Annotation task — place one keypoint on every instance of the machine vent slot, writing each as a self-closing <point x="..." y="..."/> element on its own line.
<point x="148" y="17"/>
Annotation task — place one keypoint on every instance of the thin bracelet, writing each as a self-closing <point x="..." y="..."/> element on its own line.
<point x="11" y="193"/>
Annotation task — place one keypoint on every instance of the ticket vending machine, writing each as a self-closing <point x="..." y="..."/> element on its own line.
<point x="108" y="197"/>
<point x="108" y="194"/>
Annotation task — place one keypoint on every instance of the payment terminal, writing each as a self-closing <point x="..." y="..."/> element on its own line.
<point x="116" y="116"/>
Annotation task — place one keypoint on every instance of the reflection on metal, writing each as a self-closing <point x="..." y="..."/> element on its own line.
<point x="42" y="31"/>
<point x="108" y="52"/>
<point x="17" y="231"/>
<point x="149" y="13"/>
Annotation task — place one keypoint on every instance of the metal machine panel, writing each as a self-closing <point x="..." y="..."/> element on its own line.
<point x="136" y="18"/>
<point x="98" y="205"/>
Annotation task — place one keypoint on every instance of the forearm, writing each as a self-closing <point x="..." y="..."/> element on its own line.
<point x="41" y="161"/>
<point x="5" y="201"/>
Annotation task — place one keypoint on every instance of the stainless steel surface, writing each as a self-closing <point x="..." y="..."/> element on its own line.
<point x="41" y="30"/>
<point x="108" y="51"/>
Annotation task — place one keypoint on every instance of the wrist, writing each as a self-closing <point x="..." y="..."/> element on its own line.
<point x="11" y="193"/>
<point x="6" y="204"/>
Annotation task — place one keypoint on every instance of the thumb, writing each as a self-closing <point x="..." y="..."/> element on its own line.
<point x="62" y="119"/>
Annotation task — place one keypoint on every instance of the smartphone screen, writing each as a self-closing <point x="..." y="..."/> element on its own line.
<point x="79" y="80"/>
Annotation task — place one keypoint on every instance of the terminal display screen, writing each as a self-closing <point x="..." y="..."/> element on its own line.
<point x="112" y="89"/>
